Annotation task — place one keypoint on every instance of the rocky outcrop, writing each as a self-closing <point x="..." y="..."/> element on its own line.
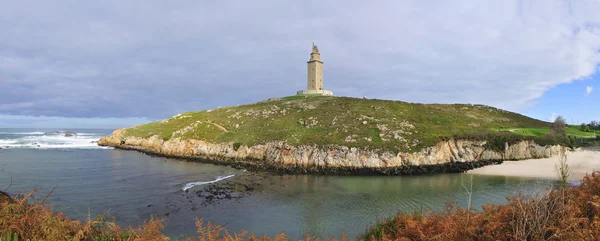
<point x="445" y="156"/>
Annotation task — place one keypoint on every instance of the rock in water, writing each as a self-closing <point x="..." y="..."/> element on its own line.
<point x="52" y="133"/>
<point x="68" y="134"/>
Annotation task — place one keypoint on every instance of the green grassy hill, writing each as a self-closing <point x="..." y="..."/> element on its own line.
<point x="325" y="120"/>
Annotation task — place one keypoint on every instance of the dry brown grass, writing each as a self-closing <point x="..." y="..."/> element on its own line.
<point x="570" y="213"/>
<point x="25" y="219"/>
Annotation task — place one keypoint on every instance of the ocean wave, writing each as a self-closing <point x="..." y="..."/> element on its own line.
<point x="22" y="133"/>
<point x="47" y="146"/>
<point x="51" y="142"/>
<point x="87" y="134"/>
<point x="7" y="141"/>
<point x="193" y="184"/>
<point x="62" y="133"/>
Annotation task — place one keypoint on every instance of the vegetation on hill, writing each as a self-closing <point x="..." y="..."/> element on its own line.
<point x="593" y="126"/>
<point x="576" y="135"/>
<point x="567" y="213"/>
<point x="571" y="130"/>
<point x="327" y="120"/>
<point x="559" y="127"/>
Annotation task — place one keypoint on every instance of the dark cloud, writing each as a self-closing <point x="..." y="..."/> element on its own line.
<point x="154" y="59"/>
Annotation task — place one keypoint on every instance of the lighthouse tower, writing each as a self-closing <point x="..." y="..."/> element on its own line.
<point x="315" y="75"/>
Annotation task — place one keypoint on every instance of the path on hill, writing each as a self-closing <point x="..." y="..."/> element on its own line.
<point x="581" y="161"/>
<point x="220" y="127"/>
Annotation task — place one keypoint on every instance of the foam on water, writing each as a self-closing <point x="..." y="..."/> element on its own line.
<point x="193" y="184"/>
<point x="39" y="140"/>
<point x="23" y="133"/>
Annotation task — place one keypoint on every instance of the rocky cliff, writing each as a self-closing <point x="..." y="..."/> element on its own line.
<point x="446" y="156"/>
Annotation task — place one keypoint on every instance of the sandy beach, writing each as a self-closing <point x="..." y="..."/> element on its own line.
<point x="581" y="161"/>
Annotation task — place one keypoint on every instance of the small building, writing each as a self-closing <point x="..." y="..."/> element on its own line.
<point x="315" y="75"/>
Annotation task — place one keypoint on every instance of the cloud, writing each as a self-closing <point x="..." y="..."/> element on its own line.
<point x="553" y="117"/>
<point x="154" y="59"/>
<point x="588" y="90"/>
<point x="18" y="121"/>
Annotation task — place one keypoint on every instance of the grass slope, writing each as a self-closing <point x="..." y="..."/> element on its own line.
<point x="325" y="120"/>
<point x="542" y="131"/>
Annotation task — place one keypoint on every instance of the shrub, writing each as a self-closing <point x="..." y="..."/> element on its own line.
<point x="568" y="213"/>
<point x="25" y="221"/>
<point x="559" y="126"/>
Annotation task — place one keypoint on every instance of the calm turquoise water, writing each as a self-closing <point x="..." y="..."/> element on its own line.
<point x="132" y="186"/>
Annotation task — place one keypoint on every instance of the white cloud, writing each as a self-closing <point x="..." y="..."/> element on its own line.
<point x="588" y="90"/>
<point x="553" y="117"/>
<point x="150" y="58"/>
<point x="19" y="121"/>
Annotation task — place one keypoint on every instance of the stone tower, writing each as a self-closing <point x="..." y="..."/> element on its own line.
<point x="315" y="70"/>
<point x="315" y="75"/>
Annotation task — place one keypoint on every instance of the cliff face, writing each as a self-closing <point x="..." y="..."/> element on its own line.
<point x="445" y="156"/>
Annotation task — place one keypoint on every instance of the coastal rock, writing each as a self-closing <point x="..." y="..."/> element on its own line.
<point x="527" y="150"/>
<point x="69" y="134"/>
<point x="52" y="133"/>
<point x="114" y="139"/>
<point x="446" y="156"/>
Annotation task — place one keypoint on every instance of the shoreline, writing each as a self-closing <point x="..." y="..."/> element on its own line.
<point x="449" y="156"/>
<point x="257" y="165"/>
<point x="582" y="161"/>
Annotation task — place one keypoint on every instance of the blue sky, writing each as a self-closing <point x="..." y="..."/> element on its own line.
<point x="578" y="102"/>
<point x="111" y="64"/>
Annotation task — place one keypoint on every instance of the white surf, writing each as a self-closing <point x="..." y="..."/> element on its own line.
<point x="40" y="140"/>
<point x="193" y="184"/>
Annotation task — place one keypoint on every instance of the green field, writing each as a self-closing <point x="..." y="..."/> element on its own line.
<point x="353" y="122"/>
<point x="542" y="131"/>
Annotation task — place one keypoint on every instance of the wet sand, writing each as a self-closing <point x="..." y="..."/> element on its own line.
<point x="581" y="161"/>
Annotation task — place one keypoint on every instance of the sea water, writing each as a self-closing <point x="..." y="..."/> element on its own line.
<point x="85" y="179"/>
<point x="50" y="139"/>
